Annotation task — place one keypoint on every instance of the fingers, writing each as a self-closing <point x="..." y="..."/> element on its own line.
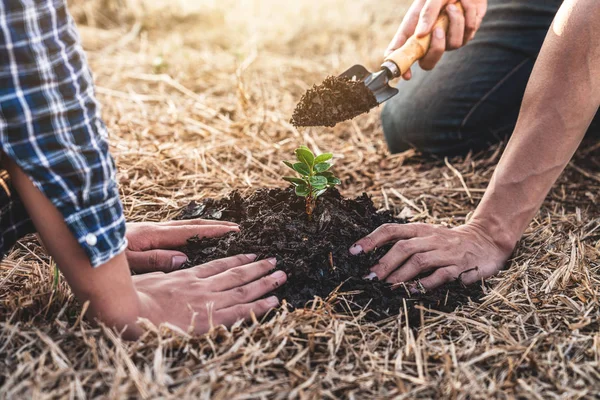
<point x="436" y="50"/>
<point x="429" y="15"/>
<point x="406" y="28"/>
<point x="216" y="267"/>
<point x="416" y="264"/>
<point x="242" y="275"/>
<point x="400" y="253"/>
<point x="168" y="237"/>
<point x="197" y="222"/>
<point x="229" y="316"/>
<point x="471" y="19"/>
<point x="142" y="262"/>
<point x="440" y="277"/>
<point x="388" y="233"/>
<point x="254" y="290"/>
<point x="456" y="28"/>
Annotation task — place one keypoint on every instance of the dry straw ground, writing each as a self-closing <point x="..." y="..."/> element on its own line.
<point x="197" y="96"/>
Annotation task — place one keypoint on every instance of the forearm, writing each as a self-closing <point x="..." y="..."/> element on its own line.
<point x="560" y="102"/>
<point x="109" y="288"/>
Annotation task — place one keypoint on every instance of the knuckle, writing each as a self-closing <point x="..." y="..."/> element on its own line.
<point x="419" y="260"/>
<point x="241" y="259"/>
<point x="153" y="260"/>
<point x="400" y="246"/>
<point x="265" y="265"/>
<point x="385" y="266"/>
<point x="241" y="292"/>
<point x="269" y="283"/>
<point x="368" y="242"/>
<point x="445" y="274"/>
<point x="239" y="275"/>
<point x="388" y="230"/>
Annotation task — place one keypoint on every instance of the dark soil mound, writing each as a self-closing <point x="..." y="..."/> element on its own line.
<point x="274" y="224"/>
<point x="333" y="101"/>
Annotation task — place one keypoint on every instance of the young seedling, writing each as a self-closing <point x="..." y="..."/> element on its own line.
<point x="315" y="177"/>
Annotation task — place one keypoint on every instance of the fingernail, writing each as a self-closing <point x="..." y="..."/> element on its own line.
<point x="451" y="8"/>
<point x="371" y="276"/>
<point x="273" y="301"/>
<point x="439" y="33"/>
<point x="278" y="275"/>
<point x="272" y="260"/>
<point x="178" y="261"/>
<point x="251" y="257"/>
<point x="356" y="249"/>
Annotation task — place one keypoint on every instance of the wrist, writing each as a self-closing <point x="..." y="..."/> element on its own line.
<point x="495" y="231"/>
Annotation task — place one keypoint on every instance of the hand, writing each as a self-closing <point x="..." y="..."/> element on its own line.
<point x="148" y="242"/>
<point x="420" y="19"/>
<point x="467" y="253"/>
<point x="220" y="292"/>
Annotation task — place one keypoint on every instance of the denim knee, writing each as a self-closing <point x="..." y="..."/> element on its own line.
<point x="406" y="126"/>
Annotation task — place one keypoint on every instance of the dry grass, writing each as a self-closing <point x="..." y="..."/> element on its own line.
<point x="197" y="96"/>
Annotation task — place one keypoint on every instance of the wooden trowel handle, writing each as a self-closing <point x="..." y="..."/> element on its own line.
<point x="415" y="48"/>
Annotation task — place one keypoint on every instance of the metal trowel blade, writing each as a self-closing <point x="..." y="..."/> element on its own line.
<point x="377" y="82"/>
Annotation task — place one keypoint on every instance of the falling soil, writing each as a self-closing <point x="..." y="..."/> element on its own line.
<point x="335" y="100"/>
<point x="314" y="254"/>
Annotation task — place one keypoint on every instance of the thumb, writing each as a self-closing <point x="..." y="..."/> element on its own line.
<point x="142" y="262"/>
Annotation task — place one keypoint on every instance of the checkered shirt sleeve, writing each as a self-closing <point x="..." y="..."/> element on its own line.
<point x="50" y="122"/>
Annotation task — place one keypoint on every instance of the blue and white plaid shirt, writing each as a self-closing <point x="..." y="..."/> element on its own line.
<point x="50" y="125"/>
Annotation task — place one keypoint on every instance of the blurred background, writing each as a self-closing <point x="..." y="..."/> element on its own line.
<point x="198" y="94"/>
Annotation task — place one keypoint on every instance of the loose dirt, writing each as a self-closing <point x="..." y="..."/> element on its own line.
<point x="335" y="100"/>
<point x="314" y="254"/>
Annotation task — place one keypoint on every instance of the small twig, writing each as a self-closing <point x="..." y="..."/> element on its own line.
<point x="407" y="201"/>
<point x="460" y="177"/>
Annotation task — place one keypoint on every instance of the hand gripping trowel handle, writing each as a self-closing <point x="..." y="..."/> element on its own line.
<point x="415" y="48"/>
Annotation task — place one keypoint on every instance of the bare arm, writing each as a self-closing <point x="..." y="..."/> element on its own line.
<point x="560" y="102"/>
<point x="109" y="288"/>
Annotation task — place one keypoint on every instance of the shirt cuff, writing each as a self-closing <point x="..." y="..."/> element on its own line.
<point x="100" y="230"/>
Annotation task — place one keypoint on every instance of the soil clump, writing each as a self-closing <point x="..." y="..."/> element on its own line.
<point x="335" y="100"/>
<point x="314" y="254"/>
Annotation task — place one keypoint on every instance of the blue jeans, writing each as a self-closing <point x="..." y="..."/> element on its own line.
<point x="472" y="97"/>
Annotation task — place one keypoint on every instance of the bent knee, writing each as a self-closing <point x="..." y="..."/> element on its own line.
<point x="435" y="132"/>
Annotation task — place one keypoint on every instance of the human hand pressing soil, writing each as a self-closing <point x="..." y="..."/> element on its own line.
<point x="219" y="292"/>
<point x="150" y="244"/>
<point x="420" y="19"/>
<point x="467" y="253"/>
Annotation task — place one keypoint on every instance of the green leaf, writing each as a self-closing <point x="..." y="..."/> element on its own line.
<point x="318" y="182"/>
<point x="295" y="181"/>
<point x="322" y="167"/>
<point x="319" y="192"/>
<point x="301" y="168"/>
<point x="333" y="181"/>
<point x="289" y="164"/>
<point x="326" y="174"/>
<point x="306" y="156"/>
<point x="302" y="190"/>
<point x="323" y="157"/>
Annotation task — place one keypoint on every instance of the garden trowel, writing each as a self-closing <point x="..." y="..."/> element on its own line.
<point x="397" y="63"/>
